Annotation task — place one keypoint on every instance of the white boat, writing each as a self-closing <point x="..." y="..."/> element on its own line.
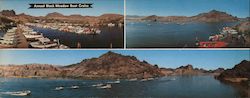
<point x="74" y="87"/>
<point x="21" y="93"/>
<point x="59" y="88"/>
<point x="32" y="35"/>
<point x="44" y="43"/>
<point x="108" y="86"/>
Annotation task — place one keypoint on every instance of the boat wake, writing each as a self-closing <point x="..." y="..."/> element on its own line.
<point x="17" y="93"/>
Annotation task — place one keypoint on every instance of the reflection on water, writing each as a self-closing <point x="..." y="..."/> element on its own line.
<point x="107" y="37"/>
<point x="167" y="87"/>
<point x="155" y="34"/>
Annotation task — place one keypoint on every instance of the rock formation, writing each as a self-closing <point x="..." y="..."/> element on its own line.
<point x="240" y="73"/>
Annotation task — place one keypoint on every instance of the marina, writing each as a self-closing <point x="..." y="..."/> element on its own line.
<point x="43" y="37"/>
<point x="23" y="37"/>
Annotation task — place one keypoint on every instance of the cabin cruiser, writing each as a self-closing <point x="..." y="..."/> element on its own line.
<point x="21" y="93"/>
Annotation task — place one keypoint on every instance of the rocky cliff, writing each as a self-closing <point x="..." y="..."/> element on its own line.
<point x="240" y="73"/>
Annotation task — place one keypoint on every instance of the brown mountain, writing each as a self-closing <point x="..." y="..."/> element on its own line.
<point x="113" y="65"/>
<point x="212" y="16"/>
<point x="240" y="73"/>
<point x="54" y="14"/>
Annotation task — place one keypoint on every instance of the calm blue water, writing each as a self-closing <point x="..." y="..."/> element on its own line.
<point x="103" y="40"/>
<point x="155" y="34"/>
<point x="181" y="87"/>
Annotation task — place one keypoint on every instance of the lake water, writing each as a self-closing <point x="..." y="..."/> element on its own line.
<point x="160" y="35"/>
<point x="108" y="35"/>
<point x="167" y="87"/>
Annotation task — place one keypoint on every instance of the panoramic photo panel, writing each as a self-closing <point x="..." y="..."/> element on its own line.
<point x="124" y="74"/>
<point x="187" y="23"/>
<point x="61" y="24"/>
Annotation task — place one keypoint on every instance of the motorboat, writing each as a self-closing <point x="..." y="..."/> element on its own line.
<point x="59" y="88"/>
<point x="75" y="87"/>
<point x="21" y="93"/>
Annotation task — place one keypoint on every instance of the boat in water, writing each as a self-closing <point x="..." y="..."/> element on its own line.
<point x="19" y="93"/>
<point x="75" y="87"/>
<point x="108" y="86"/>
<point x="32" y="35"/>
<point x="44" y="43"/>
<point x="59" y="88"/>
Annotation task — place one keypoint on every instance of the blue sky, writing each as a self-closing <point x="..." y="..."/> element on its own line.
<point x="99" y="7"/>
<point x="208" y="59"/>
<point x="239" y="8"/>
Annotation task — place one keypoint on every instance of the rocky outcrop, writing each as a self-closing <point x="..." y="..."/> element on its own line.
<point x="240" y="73"/>
<point x="9" y="13"/>
<point x="189" y="70"/>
